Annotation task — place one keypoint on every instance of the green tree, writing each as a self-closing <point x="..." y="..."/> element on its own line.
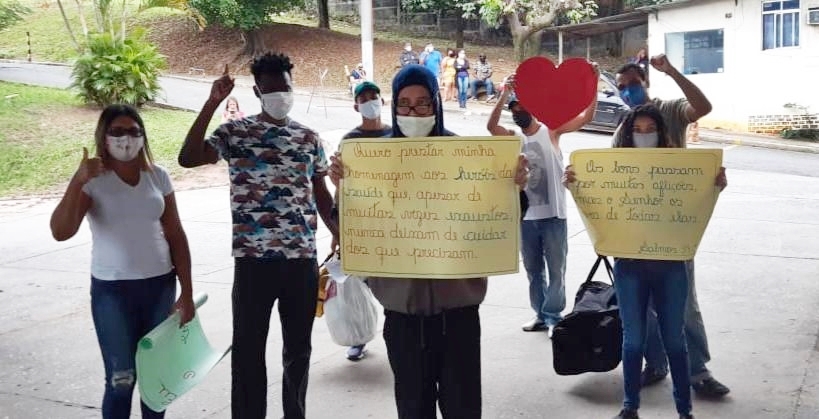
<point x="463" y="9"/>
<point x="11" y="12"/>
<point x="527" y="19"/>
<point x="115" y="70"/>
<point x="181" y="5"/>
<point x="247" y="15"/>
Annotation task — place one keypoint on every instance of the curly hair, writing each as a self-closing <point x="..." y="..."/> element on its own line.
<point x="270" y="63"/>
<point x="651" y="111"/>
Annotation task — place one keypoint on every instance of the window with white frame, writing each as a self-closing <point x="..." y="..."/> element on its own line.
<point x="780" y="24"/>
<point x="696" y="52"/>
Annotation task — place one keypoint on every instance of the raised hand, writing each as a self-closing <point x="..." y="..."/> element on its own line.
<point x="661" y="63"/>
<point x="222" y="86"/>
<point x="595" y="67"/>
<point x="89" y="168"/>
<point x="510" y="82"/>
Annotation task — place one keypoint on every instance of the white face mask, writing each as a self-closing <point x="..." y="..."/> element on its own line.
<point x="650" y="140"/>
<point x="277" y="104"/>
<point x="125" y="148"/>
<point x="416" y="126"/>
<point x="370" y="109"/>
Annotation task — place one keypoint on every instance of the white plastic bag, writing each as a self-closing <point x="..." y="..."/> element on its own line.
<point x="351" y="313"/>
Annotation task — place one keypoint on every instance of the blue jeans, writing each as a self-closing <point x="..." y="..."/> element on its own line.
<point x="463" y="87"/>
<point x="123" y="312"/>
<point x="544" y="244"/>
<point x="476" y="84"/>
<point x="696" y="340"/>
<point x="666" y="282"/>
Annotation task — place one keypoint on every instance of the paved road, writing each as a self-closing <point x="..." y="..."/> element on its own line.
<point x="757" y="272"/>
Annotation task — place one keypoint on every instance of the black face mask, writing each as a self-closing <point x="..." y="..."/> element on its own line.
<point x="522" y="119"/>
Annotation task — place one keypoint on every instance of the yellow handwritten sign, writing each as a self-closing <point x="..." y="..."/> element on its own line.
<point x="646" y="203"/>
<point x="441" y="207"/>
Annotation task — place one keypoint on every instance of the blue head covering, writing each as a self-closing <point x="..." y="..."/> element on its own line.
<point x="413" y="75"/>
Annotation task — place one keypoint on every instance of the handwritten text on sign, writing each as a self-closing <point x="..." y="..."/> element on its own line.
<point x="443" y="207"/>
<point x="646" y="203"/>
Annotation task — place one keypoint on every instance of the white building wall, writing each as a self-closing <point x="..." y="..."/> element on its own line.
<point x="753" y="81"/>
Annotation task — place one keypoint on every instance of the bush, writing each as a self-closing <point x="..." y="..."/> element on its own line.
<point x="801" y="134"/>
<point x="117" y="71"/>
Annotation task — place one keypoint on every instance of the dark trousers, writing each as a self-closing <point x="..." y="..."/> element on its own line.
<point x="123" y="312"/>
<point x="257" y="284"/>
<point x="436" y="359"/>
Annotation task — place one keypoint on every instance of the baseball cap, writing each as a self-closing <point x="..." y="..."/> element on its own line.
<point x="367" y="85"/>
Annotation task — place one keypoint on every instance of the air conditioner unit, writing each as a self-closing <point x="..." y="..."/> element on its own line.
<point x="813" y="16"/>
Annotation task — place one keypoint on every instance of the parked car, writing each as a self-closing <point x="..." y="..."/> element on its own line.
<point x="610" y="108"/>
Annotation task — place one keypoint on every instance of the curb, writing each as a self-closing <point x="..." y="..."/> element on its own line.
<point x="769" y="144"/>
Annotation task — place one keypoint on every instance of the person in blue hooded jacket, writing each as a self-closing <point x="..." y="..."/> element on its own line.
<point x="431" y="328"/>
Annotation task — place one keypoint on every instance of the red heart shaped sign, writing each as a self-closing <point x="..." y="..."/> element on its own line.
<point x="555" y="95"/>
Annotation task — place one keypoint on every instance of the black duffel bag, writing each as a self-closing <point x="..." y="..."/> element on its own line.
<point x="590" y="338"/>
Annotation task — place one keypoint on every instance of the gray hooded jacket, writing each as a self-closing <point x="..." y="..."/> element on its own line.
<point x="424" y="296"/>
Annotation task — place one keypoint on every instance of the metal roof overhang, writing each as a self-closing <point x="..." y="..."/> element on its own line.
<point x="604" y="25"/>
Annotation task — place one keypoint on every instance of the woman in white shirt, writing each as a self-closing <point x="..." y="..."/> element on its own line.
<point x="139" y="248"/>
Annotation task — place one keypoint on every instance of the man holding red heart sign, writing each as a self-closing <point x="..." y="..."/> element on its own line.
<point x="544" y="238"/>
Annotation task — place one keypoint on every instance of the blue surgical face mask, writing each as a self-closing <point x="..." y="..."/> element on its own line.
<point x="634" y="95"/>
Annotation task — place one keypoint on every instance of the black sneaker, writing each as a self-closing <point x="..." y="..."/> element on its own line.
<point x="651" y="376"/>
<point x="710" y="388"/>
<point x="627" y="414"/>
<point x="688" y="416"/>
<point x="356" y="353"/>
<point x="535" y="325"/>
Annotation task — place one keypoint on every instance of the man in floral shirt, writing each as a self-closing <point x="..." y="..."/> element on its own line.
<point x="483" y="77"/>
<point x="277" y="168"/>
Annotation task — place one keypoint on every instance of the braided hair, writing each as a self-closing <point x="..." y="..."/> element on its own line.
<point x="651" y="111"/>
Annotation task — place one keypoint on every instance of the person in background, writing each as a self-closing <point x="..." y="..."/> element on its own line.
<point x="138" y="248"/>
<point x="277" y="168"/>
<point x="368" y="103"/>
<point x="483" y="78"/>
<point x="544" y="233"/>
<point x="677" y="115"/>
<point x="462" y="74"/>
<point x="637" y="281"/>
<point x="232" y="112"/>
<point x="448" y="75"/>
<point x="356" y="76"/>
<point x="432" y="327"/>
<point x="432" y="61"/>
<point x="408" y="56"/>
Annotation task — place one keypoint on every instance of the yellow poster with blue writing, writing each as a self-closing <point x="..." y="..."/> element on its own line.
<point x="440" y="207"/>
<point x="646" y="203"/>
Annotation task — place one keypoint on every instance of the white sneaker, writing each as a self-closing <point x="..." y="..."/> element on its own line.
<point x="355" y="353"/>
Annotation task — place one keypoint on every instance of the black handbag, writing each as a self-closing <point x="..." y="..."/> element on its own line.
<point x="590" y="338"/>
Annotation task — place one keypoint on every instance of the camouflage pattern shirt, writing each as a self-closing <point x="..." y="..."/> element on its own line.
<point x="271" y="190"/>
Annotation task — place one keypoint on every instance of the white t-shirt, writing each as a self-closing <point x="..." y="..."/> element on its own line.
<point x="547" y="197"/>
<point x="127" y="237"/>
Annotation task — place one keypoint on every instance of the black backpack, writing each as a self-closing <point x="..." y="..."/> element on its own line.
<point x="590" y="338"/>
